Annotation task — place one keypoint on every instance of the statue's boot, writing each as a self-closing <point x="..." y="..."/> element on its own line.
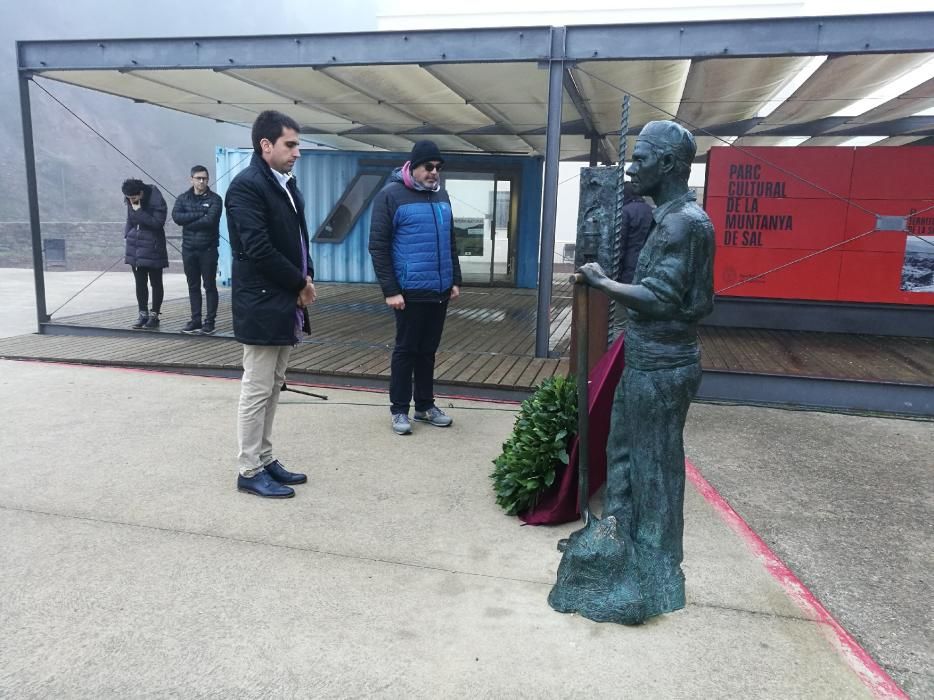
<point x="597" y="578"/>
<point x="663" y="591"/>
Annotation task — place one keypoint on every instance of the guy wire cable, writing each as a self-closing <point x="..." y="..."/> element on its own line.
<point x="136" y="165"/>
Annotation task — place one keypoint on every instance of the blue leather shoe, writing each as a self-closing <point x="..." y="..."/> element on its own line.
<point x="263" y="485"/>
<point x="283" y="475"/>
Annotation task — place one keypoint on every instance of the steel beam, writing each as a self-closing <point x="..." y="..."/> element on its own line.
<point x="590" y="125"/>
<point x="775" y="36"/>
<point x="737" y="128"/>
<point x="786" y="36"/>
<point x="32" y="196"/>
<point x="817" y="127"/>
<point x="546" y="261"/>
<point x="492" y="45"/>
<point x="906" y="126"/>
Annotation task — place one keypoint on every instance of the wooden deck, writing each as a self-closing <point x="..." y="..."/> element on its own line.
<point x="488" y="320"/>
<point x="842" y="356"/>
<point x="488" y="343"/>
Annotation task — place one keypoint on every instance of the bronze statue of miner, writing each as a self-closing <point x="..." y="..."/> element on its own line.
<point x="626" y="567"/>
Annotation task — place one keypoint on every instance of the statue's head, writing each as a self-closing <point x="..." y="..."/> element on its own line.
<point x="664" y="150"/>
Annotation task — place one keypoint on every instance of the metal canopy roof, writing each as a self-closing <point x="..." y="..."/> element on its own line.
<point x="486" y="90"/>
<point x="554" y="91"/>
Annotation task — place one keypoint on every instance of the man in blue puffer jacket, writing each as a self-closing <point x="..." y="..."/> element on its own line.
<point x="415" y="258"/>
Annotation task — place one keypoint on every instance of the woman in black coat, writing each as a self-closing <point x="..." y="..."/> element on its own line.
<point x="146" y="253"/>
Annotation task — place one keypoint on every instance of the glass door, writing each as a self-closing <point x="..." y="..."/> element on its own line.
<point x="484" y="224"/>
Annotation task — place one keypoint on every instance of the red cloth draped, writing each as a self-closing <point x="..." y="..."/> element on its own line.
<point x="559" y="503"/>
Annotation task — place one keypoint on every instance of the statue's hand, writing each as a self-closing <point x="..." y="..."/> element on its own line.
<point x="593" y="273"/>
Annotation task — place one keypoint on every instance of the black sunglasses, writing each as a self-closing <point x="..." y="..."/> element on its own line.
<point x="431" y="167"/>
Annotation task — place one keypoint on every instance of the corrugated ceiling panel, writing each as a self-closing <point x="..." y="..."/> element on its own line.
<point x="449" y="143"/>
<point x="319" y="91"/>
<point x="572" y="147"/>
<point x="231" y="91"/>
<point x="302" y="83"/>
<point x="514" y="95"/>
<point x="125" y="85"/>
<point x="724" y="90"/>
<point x="751" y="141"/>
<point x="905" y="105"/>
<point x="840" y="81"/>
<point x="387" y="142"/>
<point x="897" y="141"/>
<point x="209" y="83"/>
<point x="826" y="141"/>
<point x="658" y="83"/>
<point x="415" y="91"/>
<point x="705" y="142"/>
<point x="501" y="144"/>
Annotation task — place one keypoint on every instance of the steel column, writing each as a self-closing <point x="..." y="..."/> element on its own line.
<point x="32" y="195"/>
<point x="594" y="149"/>
<point x="546" y="260"/>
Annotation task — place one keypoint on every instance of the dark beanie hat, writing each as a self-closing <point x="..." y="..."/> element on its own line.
<point x="424" y="151"/>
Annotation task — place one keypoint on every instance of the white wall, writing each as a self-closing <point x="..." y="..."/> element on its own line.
<point x="417" y="14"/>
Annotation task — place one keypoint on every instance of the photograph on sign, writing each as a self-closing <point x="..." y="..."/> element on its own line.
<point x="918" y="268"/>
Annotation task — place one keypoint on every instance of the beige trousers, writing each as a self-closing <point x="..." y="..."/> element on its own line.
<point x="263" y="375"/>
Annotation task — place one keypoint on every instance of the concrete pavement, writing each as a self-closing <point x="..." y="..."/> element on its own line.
<point x="132" y="567"/>
<point x="848" y="503"/>
<point x="112" y="290"/>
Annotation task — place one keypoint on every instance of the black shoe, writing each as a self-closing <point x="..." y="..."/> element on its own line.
<point x="208" y="328"/>
<point x="153" y="323"/>
<point x="141" y="321"/>
<point x="192" y="327"/>
<point x="263" y="485"/>
<point x="283" y="475"/>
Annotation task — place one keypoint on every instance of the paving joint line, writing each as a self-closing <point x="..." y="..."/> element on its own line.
<point x="325" y="552"/>
<point x="243" y="540"/>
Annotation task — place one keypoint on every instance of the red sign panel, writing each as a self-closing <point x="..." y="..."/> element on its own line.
<point x="804" y="223"/>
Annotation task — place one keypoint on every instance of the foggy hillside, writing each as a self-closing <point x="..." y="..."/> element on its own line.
<point x="80" y="175"/>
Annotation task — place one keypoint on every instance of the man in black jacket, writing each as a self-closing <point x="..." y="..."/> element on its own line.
<point x="198" y="212"/>
<point x="272" y="287"/>
<point x="637" y="220"/>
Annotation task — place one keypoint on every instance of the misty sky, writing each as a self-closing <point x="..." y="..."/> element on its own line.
<point x="76" y="170"/>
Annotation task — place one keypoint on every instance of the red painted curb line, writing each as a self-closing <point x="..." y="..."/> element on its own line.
<point x="858" y="659"/>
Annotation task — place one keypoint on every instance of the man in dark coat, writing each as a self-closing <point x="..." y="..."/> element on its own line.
<point x="272" y="286"/>
<point x="415" y="258"/>
<point x="144" y="236"/>
<point x="637" y="220"/>
<point x="198" y="211"/>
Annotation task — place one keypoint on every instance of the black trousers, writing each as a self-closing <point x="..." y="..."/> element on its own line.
<point x="418" y="334"/>
<point x="201" y="270"/>
<point x="152" y="275"/>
